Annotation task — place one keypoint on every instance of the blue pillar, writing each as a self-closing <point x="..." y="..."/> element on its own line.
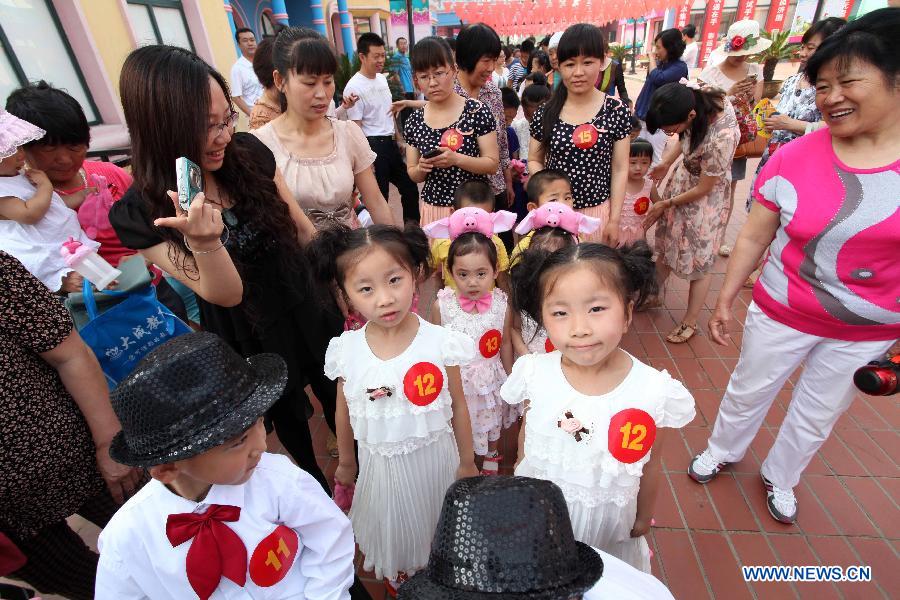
<point x="230" y="12"/>
<point x="279" y="12"/>
<point x="318" y="17"/>
<point x="346" y="27"/>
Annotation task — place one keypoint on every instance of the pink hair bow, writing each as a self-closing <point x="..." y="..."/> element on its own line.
<point x="470" y="219"/>
<point x="557" y="214"/>
<point x="481" y="305"/>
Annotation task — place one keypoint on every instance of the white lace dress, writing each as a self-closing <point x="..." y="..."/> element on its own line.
<point x="400" y="411"/>
<point x="483" y="376"/>
<point x="534" y="336"/>
<point x="598" y="465"/>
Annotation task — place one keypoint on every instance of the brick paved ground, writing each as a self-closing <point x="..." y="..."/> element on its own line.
<point x="848" y="496"/>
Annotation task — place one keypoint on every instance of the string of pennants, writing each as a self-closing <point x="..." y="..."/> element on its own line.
<point x="542" y="17"/>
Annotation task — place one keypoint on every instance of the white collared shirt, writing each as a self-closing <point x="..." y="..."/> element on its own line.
<point x="138" y="561"/>
<point x="244" y="82"/>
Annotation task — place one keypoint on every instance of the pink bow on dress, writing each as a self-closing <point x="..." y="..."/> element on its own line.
<point x="481" y="305"/>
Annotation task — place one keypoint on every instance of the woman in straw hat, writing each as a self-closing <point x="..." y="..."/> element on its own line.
<point x="742" y="82"/>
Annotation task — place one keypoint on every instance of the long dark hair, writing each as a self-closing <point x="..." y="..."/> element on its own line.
<point x="165" y="96"/>
<point x="673" y="102"/>
<point x="581" y="39"/>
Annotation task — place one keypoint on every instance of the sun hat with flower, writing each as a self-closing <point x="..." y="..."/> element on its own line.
<point x="15" y="132"/>
<point x="743" y="39"/>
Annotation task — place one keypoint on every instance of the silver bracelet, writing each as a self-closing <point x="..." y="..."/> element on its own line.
<point x="216" y="249"/>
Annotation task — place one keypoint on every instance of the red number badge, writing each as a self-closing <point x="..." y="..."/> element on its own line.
<point x="422" y="383"/>
<point x="274" y="556"/>
<point x="452" y="139"/>
<point x="585" y="136"/>
<point x="489" y="345"/>
<point x="631" y="434"/>
<point x="548" y="346"/>
<point x="641" y="205"/>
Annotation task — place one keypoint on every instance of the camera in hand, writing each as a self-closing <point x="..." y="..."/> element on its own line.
<point x="879" y="377"/>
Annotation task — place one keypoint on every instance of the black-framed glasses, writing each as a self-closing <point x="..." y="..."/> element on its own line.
<point x="219" y="128"/>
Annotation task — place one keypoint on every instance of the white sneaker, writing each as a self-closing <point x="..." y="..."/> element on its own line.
<point x="781" y="502"/>
<point x="704" y="467"/>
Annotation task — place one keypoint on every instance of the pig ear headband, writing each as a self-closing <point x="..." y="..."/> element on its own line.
<point x="470" y="219"/>
<point x="557" y="214"/>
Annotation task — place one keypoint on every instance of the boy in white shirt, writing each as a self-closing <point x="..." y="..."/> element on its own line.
<point x="221" y="517"/>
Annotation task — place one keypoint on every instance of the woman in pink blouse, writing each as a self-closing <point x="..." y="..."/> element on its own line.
<point x="828" y="212"/>
<point x="322" y="159"/>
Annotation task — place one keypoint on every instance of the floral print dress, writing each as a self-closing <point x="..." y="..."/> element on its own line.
<point x="688" y="235"/>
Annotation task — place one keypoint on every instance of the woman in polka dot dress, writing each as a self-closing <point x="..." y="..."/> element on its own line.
<point x="584" y="133"/>
<point x="451" y="139"/>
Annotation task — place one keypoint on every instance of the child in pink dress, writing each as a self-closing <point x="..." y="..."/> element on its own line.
<point x="640" y="192"/>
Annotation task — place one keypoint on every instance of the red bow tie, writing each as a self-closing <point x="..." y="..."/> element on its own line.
<point x="215" y="551"/>
<point x="481" y="305"/>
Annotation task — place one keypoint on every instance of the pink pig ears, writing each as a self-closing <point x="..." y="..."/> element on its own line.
<point x="557" y="214"/>
<point x="470" y="219"/>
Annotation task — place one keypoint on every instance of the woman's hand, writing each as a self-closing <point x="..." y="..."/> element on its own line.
<point x="348" y="102"/>
<point x="779" y="121"/>
<point x="398" y="106"/>
<point x="345" y="474"/>
<point x="744" y="87"/>
<point x="467" y="469"/>
<point x="446" y="159"/>
<point x="121" y="480"/>
<point x="610" y="235"/>
<point x="72" y="282"/>
<point x="718" y="324"/>
<point x="425" y="165"/>
<point x="658" y="172"/>
<point x="653" y="215"/>
<point x="641" y="527"/>
<point x="201" y="225"/>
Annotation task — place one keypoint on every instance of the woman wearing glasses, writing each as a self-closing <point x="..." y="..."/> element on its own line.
<point x="238" y="246"/>
<point x="451" y="139"/>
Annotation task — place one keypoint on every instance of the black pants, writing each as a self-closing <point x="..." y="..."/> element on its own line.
<point x="59" y="562"/>
<point x="390" y="168"/>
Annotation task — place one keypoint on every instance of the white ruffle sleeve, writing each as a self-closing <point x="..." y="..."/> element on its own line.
<point x="457" y="349"/>
<point x="515" y="390"/>
<point x="678" y="404"/>
<point x="334" y="358"/>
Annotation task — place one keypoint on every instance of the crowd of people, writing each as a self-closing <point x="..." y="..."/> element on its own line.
<point x="495" y="306"/>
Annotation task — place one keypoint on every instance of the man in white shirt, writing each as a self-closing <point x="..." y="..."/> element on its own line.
<point x="372" y="112"/>
<point x="245" y="87"/>
<point x="691" y="49"/>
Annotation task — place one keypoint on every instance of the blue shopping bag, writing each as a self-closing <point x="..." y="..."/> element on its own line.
<point x="128" y="331"/>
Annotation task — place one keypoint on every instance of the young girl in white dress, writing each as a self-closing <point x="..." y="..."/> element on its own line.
<point x="34" y="221"/>
<point x="595" y="414"/>
<point x="399" y="396"/>
<point x="527" y="336"/>
<point x="479" y="311"/>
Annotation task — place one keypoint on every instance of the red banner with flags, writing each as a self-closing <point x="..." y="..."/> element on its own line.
<point x="684" y="14"/>
<point x="746" y="10"/>
<point x="777" y="15"/>
<point x="711" y="29"/>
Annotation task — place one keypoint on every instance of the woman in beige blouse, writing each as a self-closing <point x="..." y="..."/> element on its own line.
<point x="322" y="159"/>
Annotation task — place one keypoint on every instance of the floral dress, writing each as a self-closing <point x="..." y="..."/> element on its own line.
<point x="688" y="235"/>
<point x="796" y="103"/>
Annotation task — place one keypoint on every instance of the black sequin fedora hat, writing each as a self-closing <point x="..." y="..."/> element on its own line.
<point x="504" y="538"/>
<point x="191" y="394"/>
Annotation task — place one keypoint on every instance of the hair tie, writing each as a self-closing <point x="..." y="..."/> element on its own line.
<point x="690" y="84"/>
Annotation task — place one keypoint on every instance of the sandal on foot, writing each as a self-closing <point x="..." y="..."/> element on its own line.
<point x="681" y="334"/>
